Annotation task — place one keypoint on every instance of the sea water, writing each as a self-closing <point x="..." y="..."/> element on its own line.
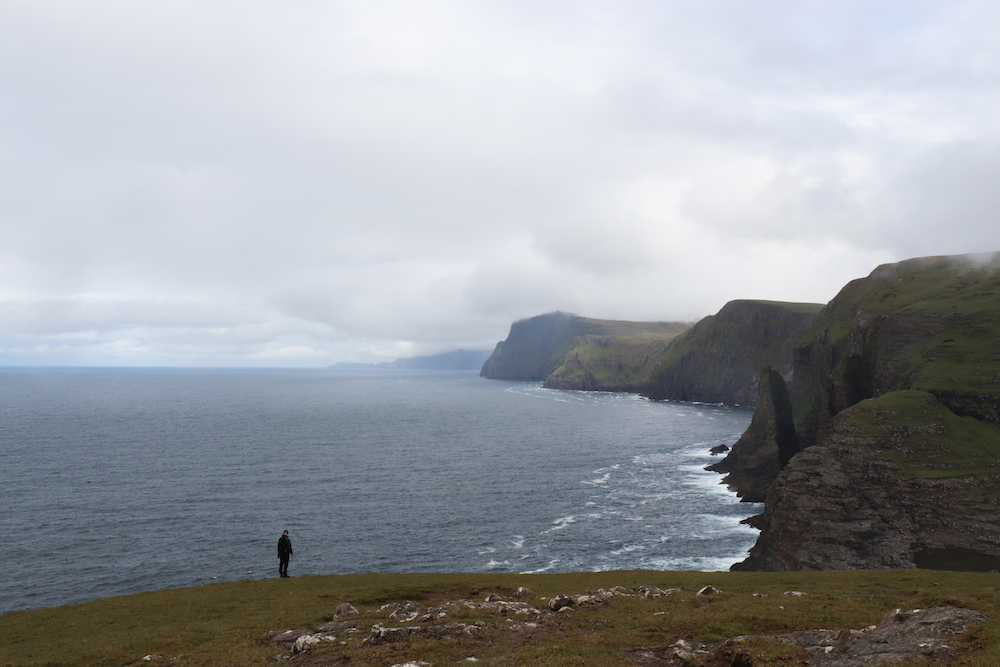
<point x="115" y="481"/>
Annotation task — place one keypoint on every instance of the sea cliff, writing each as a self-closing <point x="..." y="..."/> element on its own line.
<point x="895" y="392"/>
<point x="717" y="360"/>
<point x="876" y="442"/>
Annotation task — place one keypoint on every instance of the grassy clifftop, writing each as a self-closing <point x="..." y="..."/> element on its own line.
<point x="226" y="625"/>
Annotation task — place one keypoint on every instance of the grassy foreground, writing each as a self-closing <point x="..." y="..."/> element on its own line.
<point x="225" y="624"/>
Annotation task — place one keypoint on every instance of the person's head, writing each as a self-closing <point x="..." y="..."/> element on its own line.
<point x="285" y="533"/>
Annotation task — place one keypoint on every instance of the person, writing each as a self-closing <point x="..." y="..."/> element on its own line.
<point x="284" y="553"/>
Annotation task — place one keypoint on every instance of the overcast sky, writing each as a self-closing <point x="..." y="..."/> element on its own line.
<point x="303" y="182"/>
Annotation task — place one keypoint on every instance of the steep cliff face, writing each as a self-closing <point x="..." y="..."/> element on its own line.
<point x="895" y="394"/>
<point x="720" y="358"/>
<point x="535" y="346"/>
<point x="767" y="445"/>
<point x="928" y="323"/>
<point x="895" y="481"/>
<point x="572" y="352"/>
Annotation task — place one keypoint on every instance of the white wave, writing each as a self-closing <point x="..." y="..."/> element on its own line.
<point x="494" y="564"/>
<point x="488" y="550"/>
<point x="696" y="563"/>
<point x="600" y="481"/>
<point x="552" y="564"/>
<point x="518" y="541"/>
<point x="560" y="523"/>
<point x="627" y="549"/>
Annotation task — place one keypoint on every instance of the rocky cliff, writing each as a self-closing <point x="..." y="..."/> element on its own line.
<point x="895" y="393"/>
<point x="720" y="358"/>
<point x="572" y="352"/>
<point x="536" y="346"/>
<point x="929" y="323"/>
<point x="895" y="481"/>
<point x="767" y="445"/>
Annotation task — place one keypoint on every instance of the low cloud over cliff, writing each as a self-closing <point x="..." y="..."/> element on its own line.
<point x="304" y="183"/>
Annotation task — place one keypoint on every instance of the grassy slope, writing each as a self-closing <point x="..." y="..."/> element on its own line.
<point x="928" y="440"/>
<point x="223" y="624"/>
<point x="624" y="357"/>
<point x="961" y="298"/>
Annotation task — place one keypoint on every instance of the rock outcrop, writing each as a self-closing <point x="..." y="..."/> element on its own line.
<point x="766" y="446"/>
<point x="893" y="481"/>
<point x="917" y="635"/>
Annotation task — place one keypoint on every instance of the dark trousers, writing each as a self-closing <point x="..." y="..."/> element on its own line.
<point x="283" y="565"/>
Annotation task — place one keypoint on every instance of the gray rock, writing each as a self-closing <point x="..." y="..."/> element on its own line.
<point x="383" y="635"/>
<point x="345" y="610"/>
<point x="288" y="636"/>
<point x="918" y="635"/>
<point x="708" y="590"/>
<point x="523" y="592"/>
<point x="559" y="602"/>
<point x="653" y="591"/>
<point x="306" y="642"/>
<point x="338" y="626"/>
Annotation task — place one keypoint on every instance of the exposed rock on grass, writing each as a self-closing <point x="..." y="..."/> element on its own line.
<point x="918" y="635"/>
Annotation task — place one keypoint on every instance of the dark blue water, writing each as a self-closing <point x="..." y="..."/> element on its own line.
<point x="114" y="481"/>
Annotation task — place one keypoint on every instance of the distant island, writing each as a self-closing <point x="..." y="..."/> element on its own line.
<point x="458" y="360"/>
<point x="876" y="439"/>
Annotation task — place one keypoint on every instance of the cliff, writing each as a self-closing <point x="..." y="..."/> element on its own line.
<point x="572" y="352"/>
<point x="625" y="359"/>
<point x="929" y="323"/>
<point x="720" y="358"/>
<point x="895" y="392"/>
<point x="767" y="445"/>
<point x="895" y="481"/>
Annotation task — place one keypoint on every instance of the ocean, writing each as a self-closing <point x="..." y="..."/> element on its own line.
<point x="116" y="481"/>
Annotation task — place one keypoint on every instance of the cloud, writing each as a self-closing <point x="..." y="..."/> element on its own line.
<point x="256" y="183"/>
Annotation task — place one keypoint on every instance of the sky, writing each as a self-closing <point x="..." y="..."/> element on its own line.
<point x="303" y="182"/>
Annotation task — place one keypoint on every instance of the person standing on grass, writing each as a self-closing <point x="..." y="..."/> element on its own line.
<point x="284" y="553"/>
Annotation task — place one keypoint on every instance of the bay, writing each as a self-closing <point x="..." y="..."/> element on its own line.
<point x="114" y="481"/>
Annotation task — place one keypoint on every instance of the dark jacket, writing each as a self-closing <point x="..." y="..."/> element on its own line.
<point x="284" y="546"/>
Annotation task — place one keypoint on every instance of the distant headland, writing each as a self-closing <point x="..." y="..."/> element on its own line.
<point x="876" y="439"/>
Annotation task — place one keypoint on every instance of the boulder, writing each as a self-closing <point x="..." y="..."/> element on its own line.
<point x="306" y="642"/>
<point x="559" y="602"/>
<point x="345" y="610"/>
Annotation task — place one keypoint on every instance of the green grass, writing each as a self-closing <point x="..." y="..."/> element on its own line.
<point x="956" y="303"/>
<point x="615" y="363"/>
<point x="224" y="624"/>
<point x="925" y="438"/>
